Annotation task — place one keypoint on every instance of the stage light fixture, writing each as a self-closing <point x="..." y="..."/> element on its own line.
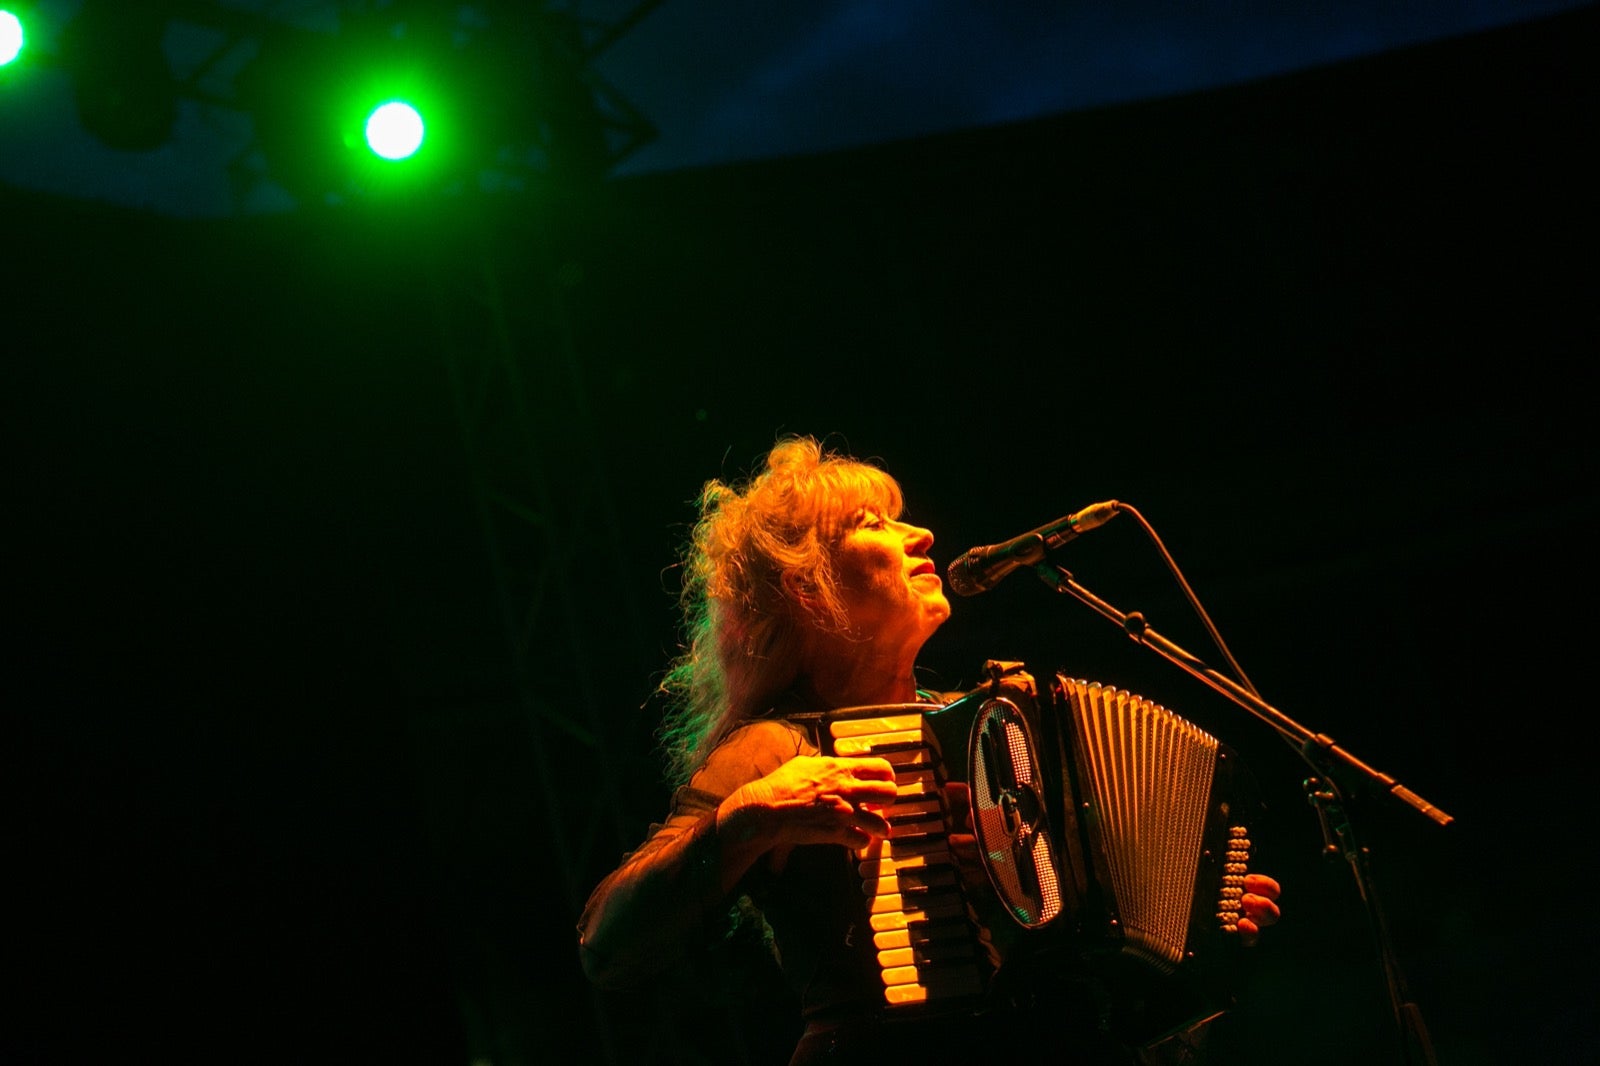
<point x="484" y="103"/>
<point x="12" y="37"/>
<point x="357" y="114"/>
<point x="395" y="130"/>
<point x="123" y="87"/>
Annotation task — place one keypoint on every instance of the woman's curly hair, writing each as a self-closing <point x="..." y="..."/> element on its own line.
<point x="757" y="545"/>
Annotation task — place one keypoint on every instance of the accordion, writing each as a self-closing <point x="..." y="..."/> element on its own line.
<point x="1111" y="836"/>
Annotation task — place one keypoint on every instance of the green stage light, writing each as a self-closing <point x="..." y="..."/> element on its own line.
<point x="366" y="114"/>
<point x="11" y="37"/>
<point x="394" y="130"/>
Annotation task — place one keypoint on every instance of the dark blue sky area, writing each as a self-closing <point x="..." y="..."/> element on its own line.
<point x="727" y="80"/>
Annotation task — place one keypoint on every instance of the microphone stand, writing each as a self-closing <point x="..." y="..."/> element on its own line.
<point x="1330" y="761"/>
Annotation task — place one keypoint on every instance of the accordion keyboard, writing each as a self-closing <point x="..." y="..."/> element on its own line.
<point x="922" y="930"/>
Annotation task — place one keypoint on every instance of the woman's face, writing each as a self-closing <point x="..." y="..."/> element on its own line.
<point x="890" y="587"/>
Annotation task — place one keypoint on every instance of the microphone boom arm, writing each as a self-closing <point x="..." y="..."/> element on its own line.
<point x="1318" y="748"/>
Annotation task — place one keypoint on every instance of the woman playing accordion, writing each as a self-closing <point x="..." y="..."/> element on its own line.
<point x="806" y="596"/>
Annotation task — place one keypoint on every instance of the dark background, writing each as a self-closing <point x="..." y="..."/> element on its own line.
<point x="278" y="792"/>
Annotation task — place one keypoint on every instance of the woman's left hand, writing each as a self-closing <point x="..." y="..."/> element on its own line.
<point x="1258" y="907"/>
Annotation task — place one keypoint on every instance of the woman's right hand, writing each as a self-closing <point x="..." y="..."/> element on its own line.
<point x="812" y="799"/>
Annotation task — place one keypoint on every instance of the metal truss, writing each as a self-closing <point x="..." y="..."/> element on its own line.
<point x="569" y="619"/>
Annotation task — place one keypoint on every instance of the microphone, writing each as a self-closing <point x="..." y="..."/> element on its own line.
<point x="981" y="569"/>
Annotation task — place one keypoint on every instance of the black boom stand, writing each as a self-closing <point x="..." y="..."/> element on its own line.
<point x="1328" y="761"/>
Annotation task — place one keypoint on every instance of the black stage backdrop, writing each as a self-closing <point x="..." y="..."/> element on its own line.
<point x="277" y="794"/>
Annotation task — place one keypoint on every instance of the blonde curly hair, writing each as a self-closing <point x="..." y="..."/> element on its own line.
<point x="756" y="547"/>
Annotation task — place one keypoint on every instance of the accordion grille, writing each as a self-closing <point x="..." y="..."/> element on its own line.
<point x="1146" y="775"/>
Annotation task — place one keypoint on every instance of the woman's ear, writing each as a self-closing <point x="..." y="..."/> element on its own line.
<point x="800" y="591"/>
